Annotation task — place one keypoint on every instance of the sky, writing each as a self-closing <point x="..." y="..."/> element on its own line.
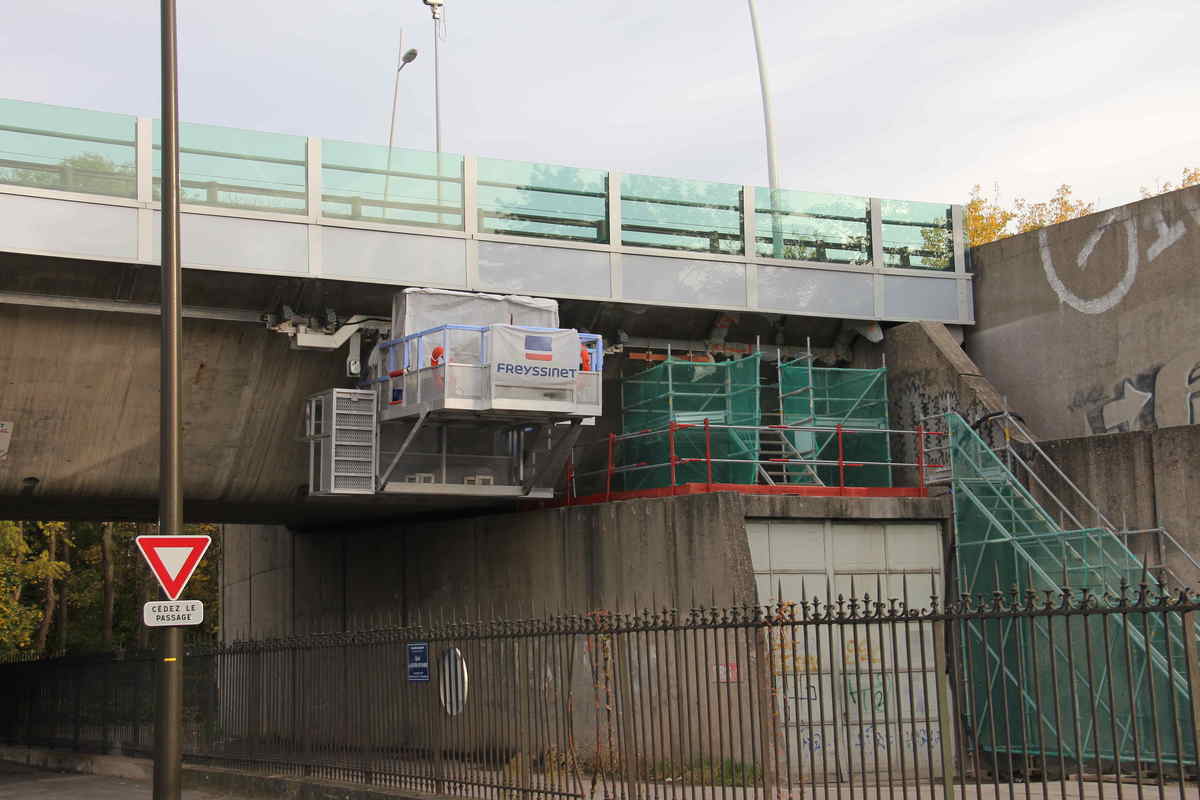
<point x="915" y="100"/>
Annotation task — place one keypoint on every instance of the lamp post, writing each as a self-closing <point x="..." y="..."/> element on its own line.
<point x="406" y="57"/>
<point x="168" y="718"/>
<point x="772" y="159"/>
<point x="435" y="9"/>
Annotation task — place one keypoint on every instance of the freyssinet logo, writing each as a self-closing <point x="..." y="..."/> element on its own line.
<point x="538" y="348"/>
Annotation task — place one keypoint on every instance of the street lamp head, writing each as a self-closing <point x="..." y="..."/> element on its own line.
<point x="409" y="56"/>
<point x="435" y="7"/>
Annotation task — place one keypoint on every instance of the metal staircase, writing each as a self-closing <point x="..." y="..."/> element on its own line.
<point x="1008" y="546"/>
<point x="779" y="449"/>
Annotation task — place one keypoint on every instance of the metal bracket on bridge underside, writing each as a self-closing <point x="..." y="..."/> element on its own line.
<point x="556" y="459"/>
<point x="387" y="473"/>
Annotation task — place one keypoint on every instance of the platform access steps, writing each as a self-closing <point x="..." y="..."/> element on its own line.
<point x="1007" y="543"/>
<point x="777" y="447"/>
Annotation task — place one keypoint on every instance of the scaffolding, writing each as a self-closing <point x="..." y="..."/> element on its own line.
<point x="832" y="399"/>
<point x="1009" y="550"/>
<point x="666" y="407"/>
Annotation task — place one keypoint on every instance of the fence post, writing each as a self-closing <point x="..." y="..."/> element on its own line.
<point x="105" y="703"/>
<point x="945" y="717"/>
<point x="1193" y="670"/>
<point x="570" y="491"/>
<point x="708" y="452"/>
<point x="76" y="712"/>
<point x="612" y="444"/>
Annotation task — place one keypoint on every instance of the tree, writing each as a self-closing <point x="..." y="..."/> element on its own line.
<point x="85" y="172"/>
<point x="984" y="218"/>
<point x="108" y="583"/>
<point x="937" y="248"/>
<point x="106" y="576"/>
<point x="1189" y="177"/>
<point x="53" y="531"/>
<point x="1059" y="208"/>
<point x="23" y="567"/>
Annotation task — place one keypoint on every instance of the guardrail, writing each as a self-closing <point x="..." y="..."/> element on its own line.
<point x="444" y="362"/>
<point x="799" y="467"/>
<point x="49" y="147"/>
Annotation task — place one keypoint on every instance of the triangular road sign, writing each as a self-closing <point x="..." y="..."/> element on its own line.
<point x="173" y="559"/>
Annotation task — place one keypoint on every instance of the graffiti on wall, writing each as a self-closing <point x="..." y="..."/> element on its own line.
<point x="1159" y="394"/>
<point x="1165" y="235"/>
<point x="1158" y="397"/>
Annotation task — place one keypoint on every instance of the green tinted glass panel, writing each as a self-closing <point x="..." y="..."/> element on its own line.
<point x="51" y="147"/>
<point x="366" y="182"/>
<point x="681" y="214"/>
<point x="831" y="228"/>
<point x="544" y="200"/>
<point x="232" y="168"/>
<point x="917" y="235"/>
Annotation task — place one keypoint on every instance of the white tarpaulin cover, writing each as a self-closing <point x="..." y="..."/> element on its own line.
<point x="416" y="310"/>
<point x="524" y="357"/>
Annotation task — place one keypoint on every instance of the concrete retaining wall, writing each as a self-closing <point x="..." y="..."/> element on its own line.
<point x="928" y="373"/>
<point x="1090" y="326"/>
<point x="1140" y="480"/>
<point x="581" y="558"/>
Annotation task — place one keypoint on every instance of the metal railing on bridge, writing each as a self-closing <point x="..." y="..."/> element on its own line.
<point x="100" y="153"/>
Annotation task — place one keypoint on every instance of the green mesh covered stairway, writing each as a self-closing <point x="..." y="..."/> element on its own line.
<point x="1101" y="688"/>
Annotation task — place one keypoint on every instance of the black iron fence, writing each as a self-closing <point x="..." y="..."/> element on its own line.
<point x="1052" y="693"/>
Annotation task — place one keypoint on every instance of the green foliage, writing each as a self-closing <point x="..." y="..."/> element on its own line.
<point x="77" y="574"/>
<point x="25" y="566"/>
<point x="939" y="248"/>
<point x="85" y="172"/>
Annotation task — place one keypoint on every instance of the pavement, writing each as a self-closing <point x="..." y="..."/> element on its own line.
<point x="31" y="783"/>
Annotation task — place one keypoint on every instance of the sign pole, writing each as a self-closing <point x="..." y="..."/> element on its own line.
<point x="168" y="755"/>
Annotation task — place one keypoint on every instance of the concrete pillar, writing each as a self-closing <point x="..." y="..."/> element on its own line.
<point x="256" y="582"/>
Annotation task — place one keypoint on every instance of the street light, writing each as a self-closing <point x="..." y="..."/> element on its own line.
<point x="406" y="58"/>
<point x="435" y="9"/>
<point x="772" y="160"/>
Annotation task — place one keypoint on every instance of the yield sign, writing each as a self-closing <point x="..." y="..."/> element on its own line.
<point x="173" y="559"/>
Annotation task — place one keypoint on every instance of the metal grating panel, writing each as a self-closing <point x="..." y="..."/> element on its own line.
<point x="353" y="483"/>
<point x="355" y="436"/>
<point x="361" y="405"/>
<point x="342" y="442"/>
<point x="356" y="420"/>
<point x="361" y="451"/>
<point x="346" y="467"/>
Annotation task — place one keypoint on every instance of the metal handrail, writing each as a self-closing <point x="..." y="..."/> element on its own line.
<point x="922" y="464"/>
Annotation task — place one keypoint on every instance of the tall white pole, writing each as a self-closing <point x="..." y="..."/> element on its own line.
<point x="772" y="159"/>
<point x="437" y="86"/>
<point x="435" y="8"/>
<point x="392" y="126"/>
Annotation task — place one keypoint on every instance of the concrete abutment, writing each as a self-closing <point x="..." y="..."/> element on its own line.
<point x="670" y="552"/>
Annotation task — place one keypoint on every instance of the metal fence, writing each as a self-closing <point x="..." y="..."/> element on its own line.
<point x="830" y="697"/>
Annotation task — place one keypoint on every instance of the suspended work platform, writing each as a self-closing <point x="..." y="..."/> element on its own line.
<point x="485" y="402"/>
